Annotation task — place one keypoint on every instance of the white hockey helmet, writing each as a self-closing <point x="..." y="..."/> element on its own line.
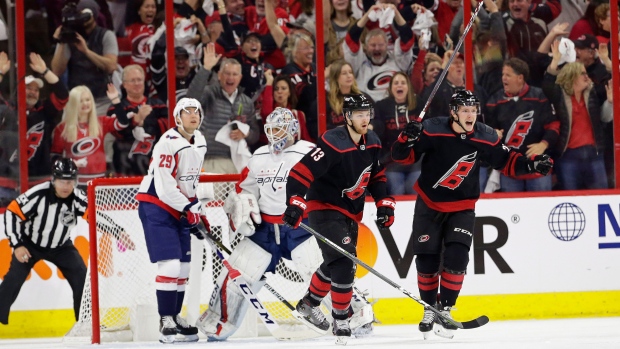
<point x="281" y="126"/>
<point x="183" y="104"/>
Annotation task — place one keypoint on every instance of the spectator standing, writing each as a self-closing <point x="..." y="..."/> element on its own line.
<point x="80" y="134"/>
<point x="374" y="64"/>
<point x="223" y="103"/>
<point x="525" y="122"/>
<point x="133" y="146"/>
<point x="139" y="32"/>
<point x="337" y="20"/>
<point x="425" y="70"/>
<point x="579" y="151"/>
<point x="341" y="82"/>
<point x="89" y="58"/>
<point x="184" y="71"/>
<point x="393" y="113"/>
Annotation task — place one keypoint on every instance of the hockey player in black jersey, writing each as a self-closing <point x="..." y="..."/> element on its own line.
<point x="447" y="193"/>
<point x="330" y="184"/>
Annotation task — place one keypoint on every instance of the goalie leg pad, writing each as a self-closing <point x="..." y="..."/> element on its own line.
<point x="228" y="306"/>
<point x="307" y="258"/>
<point x="363" y="315"/>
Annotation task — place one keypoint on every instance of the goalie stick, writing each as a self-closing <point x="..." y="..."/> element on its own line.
<point x="445" y="70"/>
<point x="477" y="322"/>
<point x="262" y="311"/>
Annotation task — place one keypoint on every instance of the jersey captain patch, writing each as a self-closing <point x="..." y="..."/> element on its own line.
<point x="458" y="172"/>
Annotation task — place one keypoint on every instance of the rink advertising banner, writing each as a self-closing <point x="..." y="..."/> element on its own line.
<point x="531" y="258"/>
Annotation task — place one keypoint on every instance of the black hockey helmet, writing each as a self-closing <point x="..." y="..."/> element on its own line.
<point x="353" y="102"/>
<point x="463" y="97"/>
<point x="64" y="168"/>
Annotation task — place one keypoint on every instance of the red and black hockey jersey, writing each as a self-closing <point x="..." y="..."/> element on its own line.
<point x="336" y="174"/>
<point x="450" y="169"/>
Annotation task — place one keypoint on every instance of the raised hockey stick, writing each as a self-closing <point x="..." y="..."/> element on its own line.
<point x="278" y="332"/>
<point x="455" y="52"/>
<point x="477" y="322"/>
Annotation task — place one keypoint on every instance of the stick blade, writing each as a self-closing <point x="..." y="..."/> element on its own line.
<point x="475" y="323"/>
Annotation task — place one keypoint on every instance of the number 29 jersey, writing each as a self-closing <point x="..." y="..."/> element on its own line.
<point x="336" y="174"/>
<point x="174" y="171"/>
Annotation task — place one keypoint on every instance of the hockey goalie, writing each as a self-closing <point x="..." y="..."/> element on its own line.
<point x="255" y="212"/>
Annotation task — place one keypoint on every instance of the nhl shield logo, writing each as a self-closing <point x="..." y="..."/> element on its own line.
<point x="67" y="218"/>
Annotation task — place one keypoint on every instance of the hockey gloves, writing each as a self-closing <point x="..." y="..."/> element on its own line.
<point x="294" y="212"/>
<point x="413" y="130"/>
<point x="540" y="163"/>
<point x="385" y="212"/>
<point x="191" y="212"/>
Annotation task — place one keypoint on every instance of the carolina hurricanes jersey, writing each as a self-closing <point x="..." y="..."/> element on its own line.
<point x="450" y="169"/>
<point x="139" y="34"/>
<point x="266" y="176"/>
<point x="526" y="118"/>
<point x="85" y="146"/>
<point x="174" y="171"/>
<point x="336" y="173"/>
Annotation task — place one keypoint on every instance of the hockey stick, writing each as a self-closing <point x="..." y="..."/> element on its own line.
<point x="455" y="52"/>
<point x="477" y="322"/>
<point x="277" y="332"/>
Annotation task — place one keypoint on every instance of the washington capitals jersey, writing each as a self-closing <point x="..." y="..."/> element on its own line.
<point x="336" y="174"/>
<point x="174" y="171"/>
<point x="266" y="176"/>
<point x="449" y="181"/>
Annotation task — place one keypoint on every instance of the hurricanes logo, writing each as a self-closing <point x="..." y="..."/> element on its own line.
<point x="359" y="188"/>
<point x="346" y="240"/>
<point x="84" y="147"/>
<point x="143" y="148"/>
<point x="380" y="81"/>
<point x="424" y="238"/>
<point x="458" y="172"/>
<point x="519" y="129"/>
<point x="33" y="138"/>
<point x="140" y="50"/>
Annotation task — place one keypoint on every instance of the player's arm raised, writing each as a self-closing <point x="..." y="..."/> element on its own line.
<point x="403" y="150"/>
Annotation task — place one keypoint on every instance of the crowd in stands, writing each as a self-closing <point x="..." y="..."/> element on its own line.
<point x="96" y="87"/>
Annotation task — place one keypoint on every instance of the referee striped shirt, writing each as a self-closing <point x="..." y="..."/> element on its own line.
<point x="40" y="216"/>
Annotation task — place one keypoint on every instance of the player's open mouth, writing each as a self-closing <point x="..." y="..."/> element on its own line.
<point x="469" y="123"/>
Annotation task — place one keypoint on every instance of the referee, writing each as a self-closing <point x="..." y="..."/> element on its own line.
<point x="38" y="224"/>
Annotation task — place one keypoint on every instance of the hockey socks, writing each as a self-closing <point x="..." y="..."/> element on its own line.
<point x="451" y="283"/>
<point x="428" y="284"/>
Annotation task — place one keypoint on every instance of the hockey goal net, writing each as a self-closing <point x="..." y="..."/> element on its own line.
<point x="120" y="284"/>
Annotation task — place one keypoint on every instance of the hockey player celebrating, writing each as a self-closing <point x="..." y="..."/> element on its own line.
<point x="255" y="212"/>
<point x="330" y="183"/>
<point x="168" y="209"/>
<point x="447" y="190"/>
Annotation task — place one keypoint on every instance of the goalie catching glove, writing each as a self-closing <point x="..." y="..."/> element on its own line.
<point x="243" y="213"/>
<point x="294" y="212"/>
<point x="540" y="163"/>
<point x="385" y="211"/>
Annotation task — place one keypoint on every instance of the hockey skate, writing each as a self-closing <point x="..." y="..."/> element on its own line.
<point x="445" y="329"/>
<point x="342" y="331"/>
<point x="186" y="332"/>
<point x="313" y="317"/>
<point x="426" y="325"/>
<point x="168" y="330"/>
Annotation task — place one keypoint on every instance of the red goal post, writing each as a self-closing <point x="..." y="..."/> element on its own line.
<point x="117" y="296"/>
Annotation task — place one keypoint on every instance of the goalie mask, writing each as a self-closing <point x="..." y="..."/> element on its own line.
<point x="281" y="126"/>
<point x="183" y="104"/>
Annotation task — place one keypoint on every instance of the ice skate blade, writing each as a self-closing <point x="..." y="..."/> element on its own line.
<point x="186" y="338"/>
<point x="426" y="334"/>
<point x="444" y="333"/>
<point x="312" y="326"/>
<point x="167" y="339"/>
<point x="342" y="340"/>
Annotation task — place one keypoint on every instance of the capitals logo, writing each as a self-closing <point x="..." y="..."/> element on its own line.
<point x="519" y="129"/>
<point x="453" y="178"/>
<point x="275" y="178"/>
<point x="359" y="188"/>
<point x="34" y="138"/>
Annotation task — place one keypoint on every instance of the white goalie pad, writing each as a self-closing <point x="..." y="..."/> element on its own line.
<point x="243" y="213"/>
<point x="252" y="261"/>
<point x="307" y="258"/>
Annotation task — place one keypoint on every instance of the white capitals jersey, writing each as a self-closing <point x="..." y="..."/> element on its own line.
<point x="174" y="171"/>
<point x="266" y="174"/>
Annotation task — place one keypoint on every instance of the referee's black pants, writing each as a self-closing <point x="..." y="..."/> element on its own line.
<point x="65" y="257"/>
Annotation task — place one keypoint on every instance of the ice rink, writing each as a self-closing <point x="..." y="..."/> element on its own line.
<point x="591" y="333"/>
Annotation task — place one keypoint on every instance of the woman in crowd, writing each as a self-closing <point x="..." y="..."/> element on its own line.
<point x="278" y="92"/>
<point x="425" y="70"/>
<point x="80" y="134"/>
<point x="578" y="156"/>
<point x="337" y="20"/>
<point x="391" y="116"/>
<point x="341" y="82"/>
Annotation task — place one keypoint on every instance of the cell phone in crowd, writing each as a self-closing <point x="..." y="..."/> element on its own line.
<point x="234" y="126"/>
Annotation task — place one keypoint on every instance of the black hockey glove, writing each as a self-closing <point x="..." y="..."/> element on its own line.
<point x="294" y="212"/>
<point x="413" y="130"/>
<point x="385" y="212"/>
<point x="540" y="163"/>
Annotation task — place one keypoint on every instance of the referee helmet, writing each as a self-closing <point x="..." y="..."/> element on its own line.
<point x="64" y="168"/>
